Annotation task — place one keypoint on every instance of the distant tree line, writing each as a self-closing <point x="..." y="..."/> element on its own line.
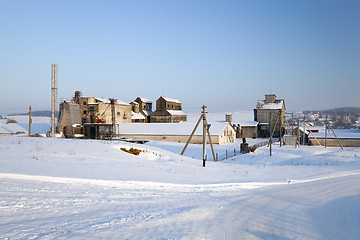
<point x="35" y="114"/>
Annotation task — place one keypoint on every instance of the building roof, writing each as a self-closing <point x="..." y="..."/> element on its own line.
<point x="181" y="129"/>
<point x="168" y="99"/>
<point x="175" y="112"/>
<point x="145" y="100"/>
<point x="104" y="100"/>
<point x="135" y="115"/>
<point x="277" y="105"/>
<point x="147" y="112"/>
<point x="248" y="123"/>
<point x="107" y="100"/>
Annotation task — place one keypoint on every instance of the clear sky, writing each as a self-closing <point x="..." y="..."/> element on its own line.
<point x="225" y="54"/>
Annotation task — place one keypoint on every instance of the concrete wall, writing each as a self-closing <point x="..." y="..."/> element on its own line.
<point x="174" y="138"/>
<point x="332" y="142"/>
<point x="290" y="140"/>
<point x="227" y="136"/>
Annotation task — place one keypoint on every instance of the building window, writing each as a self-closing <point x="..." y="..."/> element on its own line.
<point x="118" y="113"/>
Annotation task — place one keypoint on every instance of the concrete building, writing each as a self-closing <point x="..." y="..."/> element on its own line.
<point x="145" y="107"/>
<point x="99" y="110"/>
<point x="221" y="132"/>
<point x="168" y="110"/>
<point x="69" y="120"/>
<point x="267" y="112"/>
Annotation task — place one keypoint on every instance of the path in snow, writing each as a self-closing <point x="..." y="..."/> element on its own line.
<point x="48" y="208"/>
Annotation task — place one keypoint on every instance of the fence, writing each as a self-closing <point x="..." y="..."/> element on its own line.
<point x="233" y="153"/>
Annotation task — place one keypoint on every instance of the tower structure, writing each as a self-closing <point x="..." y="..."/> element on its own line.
<point x="54" y="81"/>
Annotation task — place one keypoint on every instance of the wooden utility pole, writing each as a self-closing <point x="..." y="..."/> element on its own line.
<point x="204" y="135"/>
<point x="326" y="128"/>
<point x="113" y="121"/>
<point x="298" y="134"/>
<point x="30" y="121"/>
<point x="292" y="124"/>
<point x="277" y="119"/>
<point x="206" y="127"/>
<point x="280" y="136"/>
<point x="336" y="138"/>
<point x="304" y="132"/>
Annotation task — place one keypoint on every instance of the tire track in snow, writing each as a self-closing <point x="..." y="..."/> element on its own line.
<point x="172" y="186"/>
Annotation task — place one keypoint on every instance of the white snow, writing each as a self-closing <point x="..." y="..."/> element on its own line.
<point x="174" y="100"/>
<point x="135" y="115"/>
<point x="90" y="189"/>
<point x="176" y="112"/>
<point x="39" y="125"/>
<point x="277" y="105"/>
<point x="145" y="100"/>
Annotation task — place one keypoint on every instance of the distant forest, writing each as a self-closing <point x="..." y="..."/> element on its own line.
<point x="35" y="114"/>
<point x="355" y="111"/>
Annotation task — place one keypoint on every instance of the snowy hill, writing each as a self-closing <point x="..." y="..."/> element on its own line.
<point x="81" y="189"/>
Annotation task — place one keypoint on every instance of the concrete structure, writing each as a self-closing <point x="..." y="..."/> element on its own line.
<point x="69" y="119"/>
<point x="102" y="131"/>
<point x="98" y="110"/>
<point x="267" y="112"/>
<point x="221" y="132"/>
<point x="145" y="107"/>
<point x="290" y="140"/>
<point x="168" y="110"/>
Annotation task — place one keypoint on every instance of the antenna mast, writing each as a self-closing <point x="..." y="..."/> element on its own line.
<point x="54" y="81"/>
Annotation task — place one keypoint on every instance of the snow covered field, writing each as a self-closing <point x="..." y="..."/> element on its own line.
<point x="88" y="189"/>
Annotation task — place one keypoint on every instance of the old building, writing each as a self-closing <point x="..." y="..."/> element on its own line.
<point x="270" y="113"/>
<point x="69" y="120"/>
<point x="168" y="110"/>
<point x="99" y="110"/>
<point x="136" y="116"/>
<point x="145" y="107"/>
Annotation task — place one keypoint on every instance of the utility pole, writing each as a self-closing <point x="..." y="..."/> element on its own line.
<point x="280" y="134"/>
<point x="298" y="134"/>
<point x="326" y="128"/>
<point x="304" y="132"/>
<point x="292" y="124"/>
<point x="113" y="130"/>
<point x="206" y="128"/>
<point x="204" y="134"/>
<point x="30" y="121"/>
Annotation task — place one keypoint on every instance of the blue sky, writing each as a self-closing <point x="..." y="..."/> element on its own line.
<point x="225" y="54"/>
